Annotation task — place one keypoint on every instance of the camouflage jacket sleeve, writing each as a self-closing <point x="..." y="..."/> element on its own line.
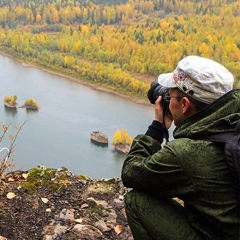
<point x="152" y="168"/>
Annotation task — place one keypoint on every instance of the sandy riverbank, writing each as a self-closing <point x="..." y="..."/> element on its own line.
<point x="145" y="102"/>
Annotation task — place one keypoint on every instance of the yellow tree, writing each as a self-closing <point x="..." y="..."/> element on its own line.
<point x="77" y="11"/>
<point x="79" y="47"/>
<point x="85" y="30"/>
<point x="206" y="50"/>
<point x="4" y="14"/>
<point x="54" y="16"/>
<point x="69" y="61"/>
<point x="85" y="14"/>
<point x="16" y="41"/>
<point x="117" y="138"/>
<point x="2" y="36"/>
<point x="38" y="18"/>
<point x="29" y="16"/>
<point x="122" y="137"/>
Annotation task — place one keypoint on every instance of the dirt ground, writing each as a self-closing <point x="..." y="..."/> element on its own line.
<point x="55" y="204"/>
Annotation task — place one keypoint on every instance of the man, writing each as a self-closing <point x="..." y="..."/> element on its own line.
<point x="202" y="103"/>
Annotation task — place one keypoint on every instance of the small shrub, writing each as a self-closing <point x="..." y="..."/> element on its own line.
<point x="122" y="137"/>
<point x="31" y="103"/>
<point x="11" y="100"/>
<point x="5" y="163"/>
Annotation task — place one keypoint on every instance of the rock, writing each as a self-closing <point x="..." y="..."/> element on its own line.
<point x="51" y="231"/>
<point x="91" y="202"/>
<point x="3" y="238"/>
<point x="122" y="148"/>
<point x="99" y="138"/>
<point x="87" y="232"/>
<point x="85" y="205"/>
<point x="102" y="226"/>
<point x="66" y="214"/>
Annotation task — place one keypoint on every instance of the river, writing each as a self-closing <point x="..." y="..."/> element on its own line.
<point x="59" y="133"/>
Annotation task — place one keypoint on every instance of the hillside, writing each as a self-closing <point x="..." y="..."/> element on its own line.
<point x="121" y="45"/>
<point x="47" y="204"/>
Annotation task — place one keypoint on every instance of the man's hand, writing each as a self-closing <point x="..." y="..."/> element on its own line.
<point x="159" y="113"/>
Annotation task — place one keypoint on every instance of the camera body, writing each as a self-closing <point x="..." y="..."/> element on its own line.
<point x="157" y="90"/>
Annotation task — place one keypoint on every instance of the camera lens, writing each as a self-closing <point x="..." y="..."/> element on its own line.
<point x="157" y="90"/>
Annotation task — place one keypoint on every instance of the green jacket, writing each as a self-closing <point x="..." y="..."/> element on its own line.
<point x="192" y="170"/>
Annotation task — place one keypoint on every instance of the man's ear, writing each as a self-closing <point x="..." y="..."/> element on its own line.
<point x="186" y="106"/>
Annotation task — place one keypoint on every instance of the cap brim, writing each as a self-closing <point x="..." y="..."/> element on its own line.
<point x="166" y="80"/>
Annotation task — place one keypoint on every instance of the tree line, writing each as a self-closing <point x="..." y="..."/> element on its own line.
<point x="104" y="11"/>
<point x="121" y="44"/>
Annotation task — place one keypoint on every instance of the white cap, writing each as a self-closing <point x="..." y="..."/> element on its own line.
<point x="200" y="78"/>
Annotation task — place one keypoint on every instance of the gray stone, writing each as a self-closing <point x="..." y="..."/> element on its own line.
<point x="87" y="232"/>
<point x="101" y="225"/>
<point x="66" y="214"/>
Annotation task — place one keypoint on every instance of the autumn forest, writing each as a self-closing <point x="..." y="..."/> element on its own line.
<point x="122" y="45"/>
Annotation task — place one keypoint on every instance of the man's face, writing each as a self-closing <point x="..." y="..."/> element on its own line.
<point x="175" y="106"/>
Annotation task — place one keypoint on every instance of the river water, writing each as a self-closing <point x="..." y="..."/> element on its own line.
<point x="59" y="133"/>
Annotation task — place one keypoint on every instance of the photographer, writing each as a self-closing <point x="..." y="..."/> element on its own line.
<point x="199" y="97"/>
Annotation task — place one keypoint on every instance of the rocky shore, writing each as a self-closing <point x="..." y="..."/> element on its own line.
<point x="54" y="204"/>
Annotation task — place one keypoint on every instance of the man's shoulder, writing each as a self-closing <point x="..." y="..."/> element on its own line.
<point x="191" y="149"/>
<point x="184" y="142"/>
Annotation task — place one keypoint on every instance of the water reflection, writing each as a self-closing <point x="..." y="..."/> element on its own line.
<point x="31" y="111"/>
<point x="101" y="145"/>
<point x="10" y="111"/>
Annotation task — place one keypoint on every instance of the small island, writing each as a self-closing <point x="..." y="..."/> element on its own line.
<point x="122" y="148"/>
<point x="31" y="104"/>
<point x="122" y="141"/>
<point x="10" y="102"/>
<point x="99" y="138"/>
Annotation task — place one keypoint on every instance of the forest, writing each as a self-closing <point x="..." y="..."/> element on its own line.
<point x="122" y="45"/>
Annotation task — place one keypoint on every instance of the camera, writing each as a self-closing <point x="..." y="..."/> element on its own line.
<point x="157" y="90"/>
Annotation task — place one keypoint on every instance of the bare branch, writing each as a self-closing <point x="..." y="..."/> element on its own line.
<point x="4" y="165"/>
<point x="5" y="129"/>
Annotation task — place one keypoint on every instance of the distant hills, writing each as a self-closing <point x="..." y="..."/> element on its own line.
<point x="121" y="45"/>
